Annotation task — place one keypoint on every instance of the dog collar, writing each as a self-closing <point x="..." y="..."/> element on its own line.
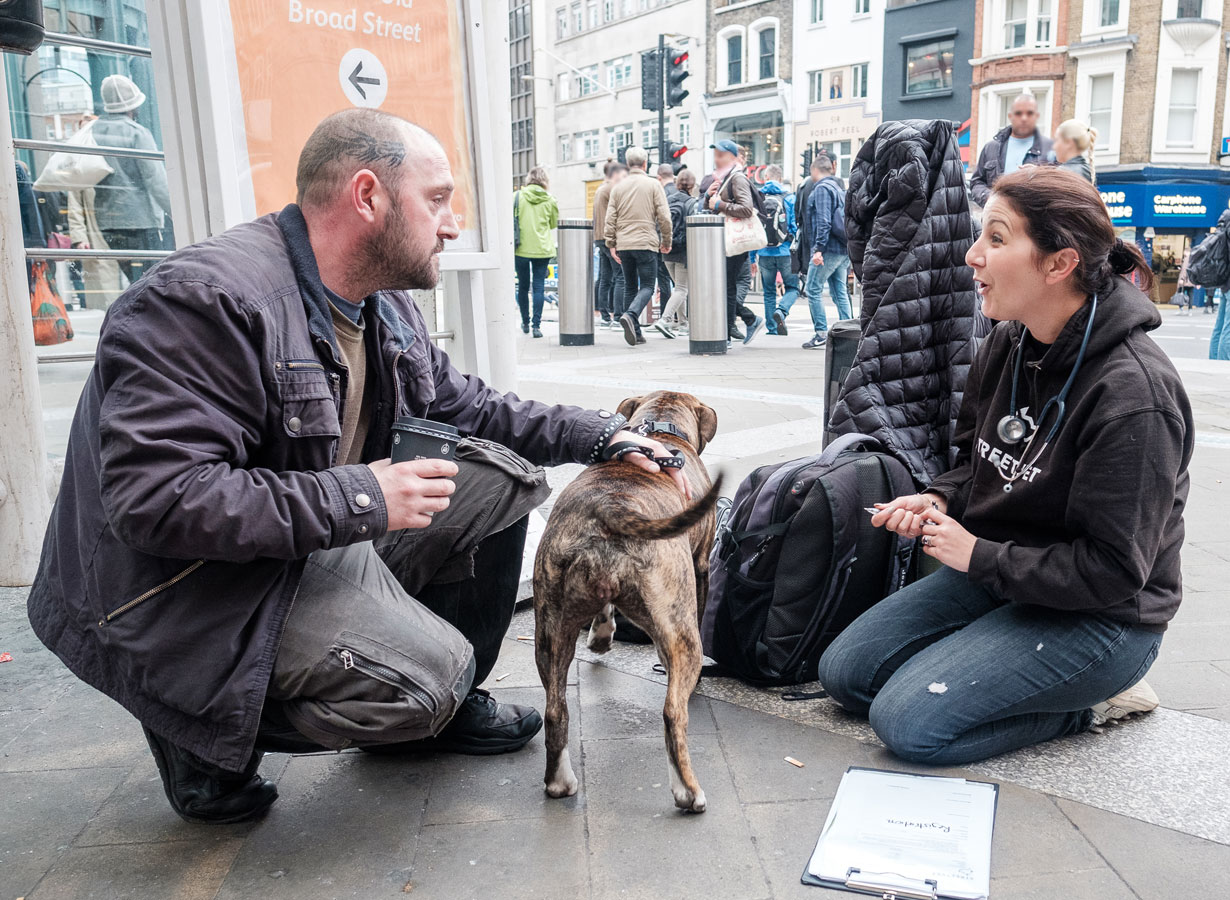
<point x="645" y="429"/>
<point x="620" y="449"/>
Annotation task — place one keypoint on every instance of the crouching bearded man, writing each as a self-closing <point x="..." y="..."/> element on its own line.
<point x="232" y="556"/>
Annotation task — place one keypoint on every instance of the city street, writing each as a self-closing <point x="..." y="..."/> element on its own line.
<point x="1138" y="812"/>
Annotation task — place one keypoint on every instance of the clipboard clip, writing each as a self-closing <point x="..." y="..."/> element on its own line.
<point x="891" y="886"/>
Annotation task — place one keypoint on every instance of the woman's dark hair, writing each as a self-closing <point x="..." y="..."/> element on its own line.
<point x="1064" y="211"/>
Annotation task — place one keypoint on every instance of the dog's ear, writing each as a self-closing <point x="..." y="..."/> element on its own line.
<point x="706" y="420"/>
<point x="629" y="406"/>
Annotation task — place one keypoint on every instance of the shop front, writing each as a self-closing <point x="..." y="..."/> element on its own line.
<point x="1165" y="212"/>
<point x="837" y="129"/>
<point x="762" y="134"/>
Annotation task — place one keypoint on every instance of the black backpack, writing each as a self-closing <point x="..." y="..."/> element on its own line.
<point x="679" y="225"/>
<point x="797" y="560"/>
<point x="761" y="207"/>
<point x="1209" y="262"/>
<point x="776" y="228"/>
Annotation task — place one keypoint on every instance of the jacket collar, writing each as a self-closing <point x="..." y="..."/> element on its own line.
<point x="312" y="290"/>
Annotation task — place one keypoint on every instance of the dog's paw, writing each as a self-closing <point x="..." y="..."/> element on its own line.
<point x="562" y="786"/>
<point x="689" y="802"/>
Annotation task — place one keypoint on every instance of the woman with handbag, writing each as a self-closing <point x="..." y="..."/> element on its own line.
<point x="730" y="194"/>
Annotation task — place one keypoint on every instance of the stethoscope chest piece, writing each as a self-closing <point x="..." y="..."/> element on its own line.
<point x="1012" y="429"/>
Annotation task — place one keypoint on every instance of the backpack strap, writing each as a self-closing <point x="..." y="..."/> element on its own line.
<point x="844" y="442"/>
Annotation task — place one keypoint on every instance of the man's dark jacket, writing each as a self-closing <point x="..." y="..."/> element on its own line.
<point x="991" y="162"/>
<point x="908" y="228"/>
<point x="801" y="257"/>
<point x="201" y="473"/>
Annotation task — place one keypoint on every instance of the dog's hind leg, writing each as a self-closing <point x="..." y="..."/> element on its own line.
<point x="678" y="641"/>
<point x="554" y="647"/>
<point x="602" y="630"/>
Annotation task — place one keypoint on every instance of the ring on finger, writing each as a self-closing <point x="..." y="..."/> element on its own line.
<point x="926" y="540"/>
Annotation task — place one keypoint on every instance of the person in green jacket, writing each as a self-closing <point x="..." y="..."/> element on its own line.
<point x="537" y="216"/>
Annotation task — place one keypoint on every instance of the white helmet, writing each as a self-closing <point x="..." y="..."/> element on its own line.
<point x="119" y="94"/>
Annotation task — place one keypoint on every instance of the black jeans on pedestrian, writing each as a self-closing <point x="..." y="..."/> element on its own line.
<point x="610" y="283"/>
<point x="737" y="267"/>
<point x="133" y="239"/>
<point x="665" y="285"/>
<point x="640" y="271"/>
<point x="531" y="270"/>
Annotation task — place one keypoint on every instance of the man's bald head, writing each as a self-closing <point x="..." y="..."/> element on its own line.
<point x="356" y="139"/>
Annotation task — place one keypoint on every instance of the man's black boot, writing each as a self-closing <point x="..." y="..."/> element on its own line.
<point x="201" y="792"/>
<point x="481" y="727"/>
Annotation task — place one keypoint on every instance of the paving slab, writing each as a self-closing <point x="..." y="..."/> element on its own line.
<point x="642" y="847"/>
<point x="615" y="705"/>
<point x="1092" y="884"/>
<point x="178" y="870"/>
<point x="82" y="729"/>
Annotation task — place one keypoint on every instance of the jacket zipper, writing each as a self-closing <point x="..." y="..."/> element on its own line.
<point x="170" y="582"/>
<point x="350" y="660"/>
<point x="304" y="364"/>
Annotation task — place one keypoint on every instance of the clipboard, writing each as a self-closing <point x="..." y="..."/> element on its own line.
<point x="868" y="872"/>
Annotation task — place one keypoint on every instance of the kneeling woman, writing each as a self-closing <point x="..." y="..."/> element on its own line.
<point x="1060" y="529"/>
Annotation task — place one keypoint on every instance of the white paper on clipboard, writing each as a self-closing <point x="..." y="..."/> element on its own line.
<point x="921" y="835"/>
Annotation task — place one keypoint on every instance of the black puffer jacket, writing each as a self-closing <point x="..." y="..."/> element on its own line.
<point x="908" y="227"/>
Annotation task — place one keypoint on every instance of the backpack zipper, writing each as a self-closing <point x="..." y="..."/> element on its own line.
<point x="170" y="582"/>
<point x="842" y="579"/>
<point x="351" y="660"/>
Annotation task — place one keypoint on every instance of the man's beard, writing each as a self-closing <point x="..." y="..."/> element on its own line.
<point x="388" y="264"/>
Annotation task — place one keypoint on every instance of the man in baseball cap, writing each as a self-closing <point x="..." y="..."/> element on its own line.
<point x="132" y="204"/>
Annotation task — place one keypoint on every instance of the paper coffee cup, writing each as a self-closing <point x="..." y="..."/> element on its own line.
<point x="422" y="439"/>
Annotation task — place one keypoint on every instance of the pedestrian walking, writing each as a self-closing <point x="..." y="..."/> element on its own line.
<point x="610" y="273"/>
<point x="1073" y="148"/>
<point x="638" y="228"/>
<point x="666" y="178"/>
<point x="1018" y="144"/>
<point x="682" y="203"/>
<point x="801" y="256"/>
<point x="830" y="258"/>
<point x="537" y="214"/>
<point x="132" y="204"/>
<point x="1185" y="288"/>
<point x="775" y="259"/>
<point x="730" y="194"/>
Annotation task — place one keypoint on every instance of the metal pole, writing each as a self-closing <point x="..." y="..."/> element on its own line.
<point x="707" y="325"/>
<point x="661" y="99"/>
<point x="24" y="499"/>
<point x="576" y="282"/>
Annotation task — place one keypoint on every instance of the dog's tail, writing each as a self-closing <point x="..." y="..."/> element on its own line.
<point x="659" y="529"/>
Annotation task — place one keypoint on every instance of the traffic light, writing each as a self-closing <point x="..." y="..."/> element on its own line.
<point x="674" y="155"/>
<point x="651" y="81"/>
<point x="676" y="72"/>
<point x="807" y="157"/>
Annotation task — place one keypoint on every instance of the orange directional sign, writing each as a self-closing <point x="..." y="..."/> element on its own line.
<point x="300" y="60"/>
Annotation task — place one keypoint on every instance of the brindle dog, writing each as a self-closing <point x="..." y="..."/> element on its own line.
<point x="620" y="536"/>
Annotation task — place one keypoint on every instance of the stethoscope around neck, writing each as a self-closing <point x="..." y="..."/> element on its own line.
<point x="1012" y="428"/>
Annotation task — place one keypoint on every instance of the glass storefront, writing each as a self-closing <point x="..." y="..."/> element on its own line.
<point x="93" y="222"/>
<point x="763" y="134"/>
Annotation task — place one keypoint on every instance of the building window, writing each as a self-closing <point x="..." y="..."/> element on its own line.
<point x="928" y="67"/>
<point x="862" y="7"/>
<point x="685" y="129"/>
<point x="859" y="88"/>
<point x="649" y="132"/>
<point x="768" y="53"/>
<point x="594" y="16"/>
<point x="619" y="72"/>
<point x="1026" y="24"/>
<point x="734" y="59"/>
<point x="841" y="153"/>
<point x="1109" y="13"/>
<point x="588" y="145"/>
<point x="608" y="10"/>
<point x="523" y="134"/>
<point x="565" y="148"/>
<point x="519" y="23"/>
<point x="1101" y="92"/>
<point x="817" y="11"/>
<point x="587" y="81"/>
<point x="815" y="87"/>
<point x="1014" y="24"/>
<point x="1184" y="90"/>
<point x="1043" y="27"/>
<point x="578" y="19"/>
<point x="1190" y="9"/>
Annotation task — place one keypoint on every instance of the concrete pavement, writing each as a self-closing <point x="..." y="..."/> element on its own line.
<point x="1138" y="812"/>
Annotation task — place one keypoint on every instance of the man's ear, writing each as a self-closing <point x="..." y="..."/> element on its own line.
<point x="629" y="406"/>
<point x="706" y="421"/>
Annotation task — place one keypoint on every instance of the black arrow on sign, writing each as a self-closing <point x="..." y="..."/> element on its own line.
<point x="358" y="80"/>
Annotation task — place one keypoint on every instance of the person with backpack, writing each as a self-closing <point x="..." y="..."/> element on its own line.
<point x="682" y="203"/>
<point x="730" y="194"/>
<point x="775" y="258"/>
<point x="1060" y="528"/>
<point x="536" y="215"/>
<point x="830" y="258"/>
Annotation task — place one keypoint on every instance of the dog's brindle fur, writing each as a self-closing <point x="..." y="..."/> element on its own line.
<point x="620" y="536"/>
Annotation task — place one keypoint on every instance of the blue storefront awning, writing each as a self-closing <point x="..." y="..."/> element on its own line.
<point x="1165" y="197"/>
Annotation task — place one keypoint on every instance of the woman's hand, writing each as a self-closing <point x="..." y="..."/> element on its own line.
<point x="904" y="516"/>
<point x="944" y="539"/>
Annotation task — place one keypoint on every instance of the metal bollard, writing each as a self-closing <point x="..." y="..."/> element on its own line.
<point x="707" y="327"/>
<point x="575" y="275"/>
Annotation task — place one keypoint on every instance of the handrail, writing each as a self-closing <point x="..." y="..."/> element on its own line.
<point x="63" y="254"/>
<point x="88" y="43"/>
<point x="86" y="149"/>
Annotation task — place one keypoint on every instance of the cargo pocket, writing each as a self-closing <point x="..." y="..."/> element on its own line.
<point x="370" y="693"/>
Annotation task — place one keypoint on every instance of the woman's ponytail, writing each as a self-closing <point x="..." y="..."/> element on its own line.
<point x="1125" y="258"/>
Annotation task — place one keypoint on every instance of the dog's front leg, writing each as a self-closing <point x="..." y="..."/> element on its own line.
<point x="553" y="651"/>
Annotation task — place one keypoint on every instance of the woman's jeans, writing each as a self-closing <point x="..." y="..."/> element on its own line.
<point x="526" y="264"/>
<point x="949" y="674"/>
<point x="1219" y="345"/>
